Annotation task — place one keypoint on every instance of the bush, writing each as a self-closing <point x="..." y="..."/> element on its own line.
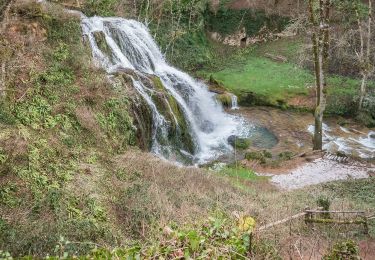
<point x="343" y="250"/>
<point x="285" y="156"/>
<point x="259" y="156"/>
<point x="366" y="119"/>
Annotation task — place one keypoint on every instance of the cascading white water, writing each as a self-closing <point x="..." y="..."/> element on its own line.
<point x="234" y="102"/>
<point x="132" y="47"/>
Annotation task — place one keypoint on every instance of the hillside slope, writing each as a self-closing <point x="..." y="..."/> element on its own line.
<point x="74" y="183"/>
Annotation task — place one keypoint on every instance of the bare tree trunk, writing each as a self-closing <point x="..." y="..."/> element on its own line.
<point x="362" y="91"/>
<point x="365" y="60"/>
<point x="3" y="78"/>
<point x="3" y="62"/>
<point x="320" y="40"/>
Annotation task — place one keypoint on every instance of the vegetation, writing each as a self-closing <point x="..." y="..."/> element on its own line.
<point x="73" y="184"/>
<point x="228" y="21"/>
<point x="257" y="80"/>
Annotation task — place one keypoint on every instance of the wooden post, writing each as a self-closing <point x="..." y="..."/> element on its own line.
<point x="365" y="224"/>
<point x="251" y="243"/>
<point x="308" y="216"/>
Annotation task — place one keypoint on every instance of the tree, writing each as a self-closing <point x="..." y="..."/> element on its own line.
<point x="358" y="22"/>
<point x="319" y="18"/>
<point x="363" y="55"/>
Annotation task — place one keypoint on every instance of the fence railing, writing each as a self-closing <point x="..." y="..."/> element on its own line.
<point x="320" y="216"/>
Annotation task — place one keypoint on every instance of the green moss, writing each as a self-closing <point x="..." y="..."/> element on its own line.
<point x="168" y="106"/>
<point x="102" y="43"/>
<point x="225" y="99"/>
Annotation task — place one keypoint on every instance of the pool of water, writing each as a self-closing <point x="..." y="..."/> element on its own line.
<point x="261" y="137"/>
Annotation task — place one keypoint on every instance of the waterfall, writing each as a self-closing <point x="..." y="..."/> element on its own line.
<point x="118" y="44"/>
<point x="234" y="102"/>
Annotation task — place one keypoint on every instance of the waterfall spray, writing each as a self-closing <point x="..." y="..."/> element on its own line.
<point x="129" y="45"/>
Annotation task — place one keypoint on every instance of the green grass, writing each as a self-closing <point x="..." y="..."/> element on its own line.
<point x="258" y="80"/>
<point x="241" y="173"/>
<point x="277" y="81"/>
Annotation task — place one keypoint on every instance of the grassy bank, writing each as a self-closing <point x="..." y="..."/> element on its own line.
<point x="260" y="80"/>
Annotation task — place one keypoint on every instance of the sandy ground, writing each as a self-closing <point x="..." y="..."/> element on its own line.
<point x="319" y="171"/>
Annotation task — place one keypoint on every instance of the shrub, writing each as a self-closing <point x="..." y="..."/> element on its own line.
<point x="259" y="156"/>
<point x="366" y="119"/>
<point x="287" y="155"/>
<point x="343" y="250"/>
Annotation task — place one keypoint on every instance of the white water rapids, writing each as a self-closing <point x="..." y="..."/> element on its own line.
<point x="132" y="47"/>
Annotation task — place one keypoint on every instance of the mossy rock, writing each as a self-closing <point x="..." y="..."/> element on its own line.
<point x="238" y="142"/>
<point x="252" y="99"/>
<point x="225" y="99"/>
<point x="179" y="132"/>
<point x="102" y="43"/>
<point x="216" y="86"/>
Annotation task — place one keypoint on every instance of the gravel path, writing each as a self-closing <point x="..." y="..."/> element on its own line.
<point x="320" y="171"/>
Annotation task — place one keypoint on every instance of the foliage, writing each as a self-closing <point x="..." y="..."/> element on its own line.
<point x="116" y="122"/>
<point x="239" y="142"/>
<point x="287" y="155"/>
<point x="51" y="148"/>
<point x="178" y="28"/>
<point x="228" y="21"/>
<point x="325" y="204"/>
<point x="100" y="7"/>
<point x="8" y="195"/>
<point x="261" y="156"/>
<point x="6" y="116"/>
<point x="344" y="250"/>
<point x="218" y="238"/>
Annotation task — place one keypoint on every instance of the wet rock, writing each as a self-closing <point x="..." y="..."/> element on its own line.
<point x="102" y="43"/>
<point x="372" y="136"/>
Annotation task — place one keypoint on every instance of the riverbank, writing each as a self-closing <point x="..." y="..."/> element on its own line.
<point x="291" y="163"/>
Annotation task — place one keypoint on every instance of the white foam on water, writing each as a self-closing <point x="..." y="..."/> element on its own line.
<point x="363" y="147"/>
<point x="132" y="47"/>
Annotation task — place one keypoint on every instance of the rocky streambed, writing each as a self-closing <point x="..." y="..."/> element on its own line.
<point x="349" y="149"/>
